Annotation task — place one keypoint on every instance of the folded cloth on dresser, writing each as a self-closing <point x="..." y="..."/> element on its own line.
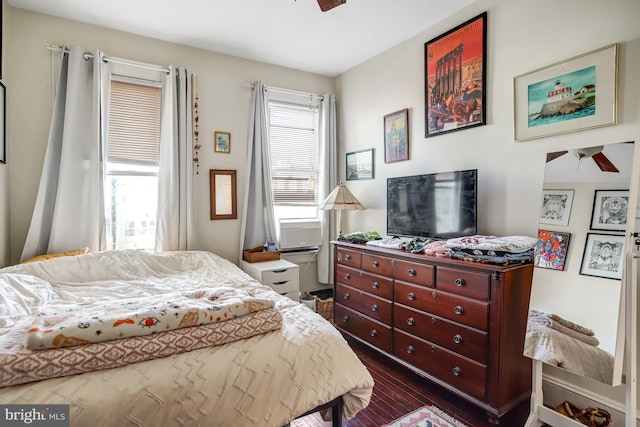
<point x="511" y="244"/>
<point x="436" y="248"/>
<point x="503" y="258"/>
<point x="564" y="322"/>
<point x="552" y="324"/>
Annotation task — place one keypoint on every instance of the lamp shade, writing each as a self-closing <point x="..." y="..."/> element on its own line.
<point x="341" y="199"/>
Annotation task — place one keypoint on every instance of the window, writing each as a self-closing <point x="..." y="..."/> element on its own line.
<point x="133" y="153"/>
<point x="293" y="142"/>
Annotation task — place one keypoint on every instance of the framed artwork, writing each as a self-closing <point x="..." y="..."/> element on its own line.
<point x="360" y="165"/>
<point x="455" y="78"/>
<point x="222" y="194"/>
<point x="551" y="249"/>
<point x="222" y="142"/>
<point x="610" y="210"/>
<point x="556" y="207"/>
<point x="396" y="136"/>
<point x="3" y="124"/>
<point x="603" y="256"/>
<point x="576" y="94"/>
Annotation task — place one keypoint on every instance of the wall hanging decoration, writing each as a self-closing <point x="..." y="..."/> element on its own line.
<point x="222" y="142"/>
<point x="576" y="94"/>
<point x="610" y="209"/>
<point x="603" y="256"/>
<point x="556" y="207"/>
<point x="396" y="136"/>
<point x="551" y="249"/>
<point x="455" y="78"/>
<point x="360" y="165"/>
<point x="222" y="194"/>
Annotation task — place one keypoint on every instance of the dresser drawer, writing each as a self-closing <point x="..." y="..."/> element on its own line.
<point x="377" y="264"/>
<point x="474" y="285"/>
<point x="457" y="338"/>
<point x="459" y="309"/>
<point x="365" y="328"/>
<point x="459" y="372"/>
<point x="374" y="284"/>
<point x="284" y="286"/>
<point x="413" y="272"/>
<point x="371" y="305"/>
<point x="348" y="257"/>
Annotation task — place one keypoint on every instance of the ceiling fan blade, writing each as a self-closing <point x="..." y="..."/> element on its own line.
<point x="330" y="4"/>
<point x="555" y="155"/>
<point x="603" y="163"/>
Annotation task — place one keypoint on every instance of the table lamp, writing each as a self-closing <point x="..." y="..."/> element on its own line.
<point x="339" y="200"/>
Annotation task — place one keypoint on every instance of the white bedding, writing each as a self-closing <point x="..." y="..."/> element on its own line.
<point x="265" y="380"/>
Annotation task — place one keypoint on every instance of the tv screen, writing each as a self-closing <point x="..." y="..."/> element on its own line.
<point x="439" y="205"/>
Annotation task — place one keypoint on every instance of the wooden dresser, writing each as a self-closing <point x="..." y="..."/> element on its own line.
<point x="459" y="324"/>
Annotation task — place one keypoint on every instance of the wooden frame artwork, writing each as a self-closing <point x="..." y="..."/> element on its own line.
<point x="455" y="78"/>
<point x="551" y="249"/>
<point x="610" y="210"/>
<point x="555" y="207"/>
<point x="603" y="256"/>
<point x="222" y="194"/>
<point x="396" y="136"/>
<point x="563" y="97"/>
<point x="222" y="142"/>
<point x="360" y="165"/>
<point x="3" y="124"/>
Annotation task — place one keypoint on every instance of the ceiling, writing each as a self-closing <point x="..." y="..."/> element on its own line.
<point x="291" y="33"/>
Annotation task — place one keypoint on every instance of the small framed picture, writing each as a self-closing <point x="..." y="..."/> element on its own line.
<point x="610" y="210"/>
<point x="222" y="142"/>
<point x="360" y="165"/>
<point x="396" y="136"/>
<point x="551" y="249"/>
<point x="556" y="207"/>
<point x="603" y="256"/>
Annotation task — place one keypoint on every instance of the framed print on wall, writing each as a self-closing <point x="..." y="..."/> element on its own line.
<point x="222" y="142"/>
<point x="556" y="207"/>
<point x="360" y="165"/>
<point x="551" y="249"/>
<point x="3" y="124"/>
<point x="603" y="256"/>
<point x="576" y="94"/>
<point x="396" y="136"/>
<point x="455" y="78"/>
<point x="610" y="210"/>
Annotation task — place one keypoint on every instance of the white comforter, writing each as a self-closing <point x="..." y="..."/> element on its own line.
<point x="265" y="380"/>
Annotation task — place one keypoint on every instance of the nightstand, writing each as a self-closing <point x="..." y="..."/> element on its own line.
<point x="279" y="275"/>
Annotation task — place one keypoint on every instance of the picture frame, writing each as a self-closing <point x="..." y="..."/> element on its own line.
<point x="360" y="165"/>
<point x="3" y="124"/>
<point x="552" y="249"/>
<point x="223" y="199"/>
<point x="603" y="256"/>
<point x="555" y="207"/>
<point x="562" y="97"/>
<point x="222" y="142"/>
<point x="610" y="210"/>
<point x="455" y="78"/>
<point x="396" y="136"/>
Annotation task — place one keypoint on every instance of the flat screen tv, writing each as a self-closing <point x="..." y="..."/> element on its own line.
<point x="435" y="206"/>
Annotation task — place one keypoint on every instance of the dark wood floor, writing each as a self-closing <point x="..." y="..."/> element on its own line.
<point x="398" y="392"/>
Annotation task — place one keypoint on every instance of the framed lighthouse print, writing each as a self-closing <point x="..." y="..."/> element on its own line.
<point x="576" y="94"/>
<point x="455" y="78"/>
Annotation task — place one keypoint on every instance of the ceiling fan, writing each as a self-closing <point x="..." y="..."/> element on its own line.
<point x="595" y="153"/>
<point x="330" y="4"/>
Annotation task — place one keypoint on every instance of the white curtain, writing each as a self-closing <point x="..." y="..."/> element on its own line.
<point x="258" y="220"/>
<point x="175" y="226"/>
<point x="328" y="181"/>
<point x="69" y="209"/>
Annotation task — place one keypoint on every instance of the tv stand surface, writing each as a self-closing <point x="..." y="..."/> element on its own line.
<point x="457" y="323"/>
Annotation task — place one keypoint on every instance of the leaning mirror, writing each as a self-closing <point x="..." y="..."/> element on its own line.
<point x="578" y="277"/>
<point x="222" y="197"/>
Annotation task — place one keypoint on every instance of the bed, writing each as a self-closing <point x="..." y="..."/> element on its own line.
<point x="265" y="367"/>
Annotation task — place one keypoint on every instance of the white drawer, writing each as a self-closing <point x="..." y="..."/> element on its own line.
<point x="284" y="286"/>
<point x="279" y="275"/>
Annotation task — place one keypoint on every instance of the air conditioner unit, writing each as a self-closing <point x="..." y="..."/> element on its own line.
<point x="299" y="233"/>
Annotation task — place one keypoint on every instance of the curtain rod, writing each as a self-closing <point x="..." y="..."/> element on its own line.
<point x="282" y="90"/>
<point x="114" y="60"/>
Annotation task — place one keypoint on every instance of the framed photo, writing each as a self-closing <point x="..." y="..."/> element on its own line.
<point x="556" y="207"/>
<point x="610" y="210"/>
<point x="603" y="256"/>
<point x="3" y="124"/>
<point x="551" y="249"/>
<point x="396" y="136"/>
<point x="455" y="78"/>
<point x="222" y="142"/>
<point x="576" y="94"/>
<point x="223" y="202"/>
<point x="360" y="165"/>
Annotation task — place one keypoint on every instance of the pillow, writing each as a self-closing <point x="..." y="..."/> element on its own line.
<point x="57" y="255"/>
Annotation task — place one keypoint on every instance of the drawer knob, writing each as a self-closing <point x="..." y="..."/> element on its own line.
<point x="411" y="272"/>
<point x="458" y="310"/>
<point x="347" y="276"/>
<point x="375" y="285"/>
<point x="433" y="320"/>
<point x="433" y="294"/>
<point x="375" y="264"/>
<point x="345" y="318"/>
<point x="457" y="371"/>
<point x="374" y="307"/>
<point x="457" y="339"/>
<point x="410" y="349"/>
<point x="346" y="296"/>
<point x="411" y="296"/>
<point x="459" y="282"/>
<point x="347" y="257"/>
<point x="411" y="321"/>
<point x="374" y="332"/>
